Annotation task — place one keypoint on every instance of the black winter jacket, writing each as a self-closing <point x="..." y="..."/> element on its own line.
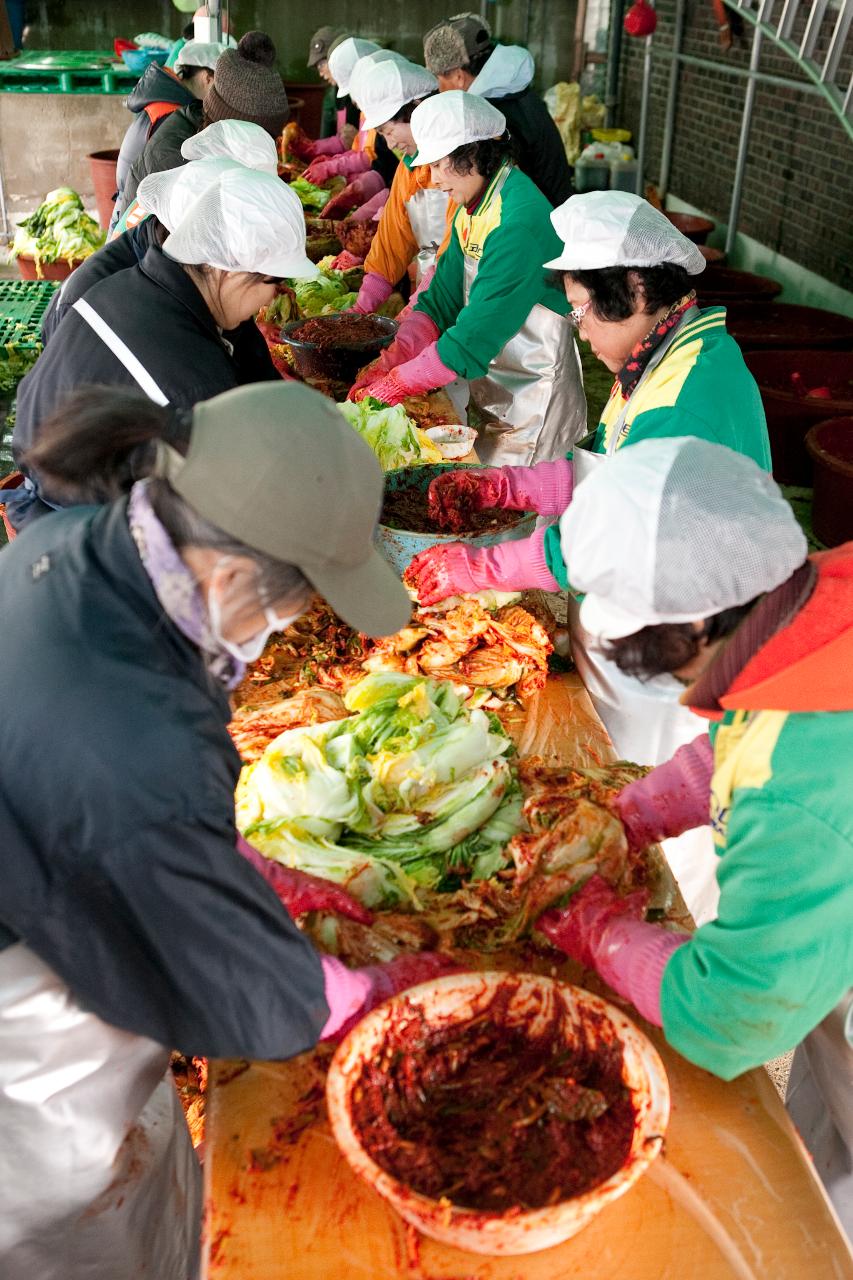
<point x="117" y="808"/>
<point x="160" y="315"/>
<point x="155" y="85"/>
<point x="542" y="155"/>
<point x="251" y="356"/>
<point x="163" y="150"/>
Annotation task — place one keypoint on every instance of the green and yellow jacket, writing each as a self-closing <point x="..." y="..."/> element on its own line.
<point x="509" y="235"/>
<point x="752" y="983"/>
<point x="702" y="388"/>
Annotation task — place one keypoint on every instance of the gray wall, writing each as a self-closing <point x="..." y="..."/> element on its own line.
<point x="88" y="24"/>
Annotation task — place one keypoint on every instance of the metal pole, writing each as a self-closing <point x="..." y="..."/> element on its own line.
<point x="614" y="54"/>
<point x="671" y="100"/>
<point x="644" y="114"/>
<point x="743" y="144"/>
<point x="739" y="73"/>
<point x="214" y="12"/>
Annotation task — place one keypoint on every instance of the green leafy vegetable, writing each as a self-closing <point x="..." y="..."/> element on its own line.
<point x="391" y="433"/>
<point x="311" y="197"/>
<point x="60" y="228"/>
<point x="412" y="791"/>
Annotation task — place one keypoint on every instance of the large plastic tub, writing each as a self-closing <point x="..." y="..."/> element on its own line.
<point x="102" y="165"/>
<point x="399" y="546"/>
<point x="60" y="270"/>
<point x="783" y="325"/>
<point x="785" y="379"/>
<point x="831" y="447"/>
<point x="719" y="284"/>
<point x="691" y="225"/>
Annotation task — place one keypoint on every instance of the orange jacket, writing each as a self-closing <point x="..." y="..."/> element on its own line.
<point x="808" y="665"/>
<point x="394" y="245"/>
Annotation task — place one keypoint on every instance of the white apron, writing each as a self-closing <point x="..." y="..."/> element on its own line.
<point x="644" y="719"/>
<point x="533" y="389"/>
<point x="427" y="213"/>
<point x="98" y="1175"/>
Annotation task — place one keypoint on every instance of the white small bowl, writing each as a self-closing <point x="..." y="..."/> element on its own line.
<point x="454" y="442"/>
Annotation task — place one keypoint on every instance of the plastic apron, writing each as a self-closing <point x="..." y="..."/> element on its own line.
<point x="98" y="1172"/>
<point x="533" y="390"/>
<point x="426" y="209"/>
<point x="820" y="1103"/>
<point x="644" y="719"/>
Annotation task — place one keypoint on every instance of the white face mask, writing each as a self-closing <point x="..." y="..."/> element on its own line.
<point x="245" y="651"/>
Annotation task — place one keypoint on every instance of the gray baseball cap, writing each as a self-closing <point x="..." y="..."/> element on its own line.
<point x="453" y="42"/>
<point x="321" y="43"/>
<point x="278" y="467"/>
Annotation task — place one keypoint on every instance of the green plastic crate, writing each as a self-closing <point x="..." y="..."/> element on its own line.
<point x="66" y="71"/>
<point x="22" y="307"/>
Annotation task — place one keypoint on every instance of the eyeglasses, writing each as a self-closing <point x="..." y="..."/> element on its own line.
<point x="577" y="313"/>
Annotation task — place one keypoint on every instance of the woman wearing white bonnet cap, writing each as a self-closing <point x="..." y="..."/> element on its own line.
<point x="628" y="275"/>
<point x="161" y="326"/>
<point x="228" y="142"/>
<point x="490" y="315"/>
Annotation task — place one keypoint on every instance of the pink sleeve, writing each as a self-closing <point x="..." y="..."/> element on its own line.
<point x="352" y="163"/>
<point x="673" y="798"/>
<point x="514" y="566"/>
<point x="374" y="290"/>
<point x="545" y="488"/>
<point x="327" y="147"/>
<point x="631" y="956"/>
<point x="371" y="207"/>
<point x="346" y="990"/>
<point x="425" y="371"/>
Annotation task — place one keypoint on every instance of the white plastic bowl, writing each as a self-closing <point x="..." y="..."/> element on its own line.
<point x="453" y="441"/>
<point x="456" y="998"/>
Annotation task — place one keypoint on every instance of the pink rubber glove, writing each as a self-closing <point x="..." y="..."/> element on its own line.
<point x="348" y="163"/>
<point x="372" y="208"/>
<point x="608" y="934"/>
<point x="374" y="290"/>
<point x="424" y="373"/>
<point x="324" y="147"/>
<point x="545" y="488"/>
<point x="416" y="333"/>
<point x="359" y="190"/>
<point x="299" y="892"/>
<point x="673" y="798"/>
<point x="457" y="569"/>
<point x="351" y="993"/>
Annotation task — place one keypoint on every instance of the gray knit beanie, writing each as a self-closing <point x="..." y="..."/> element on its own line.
<point x="453" y="42"/>
<point x="246" y="86"/>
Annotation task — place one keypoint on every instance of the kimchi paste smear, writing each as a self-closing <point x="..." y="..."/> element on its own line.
<point x="492" y="1117"/>
<point x="408" y="509"/>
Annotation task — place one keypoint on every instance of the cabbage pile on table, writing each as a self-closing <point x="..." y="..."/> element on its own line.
<point x="396" y="440"/>
<point x="60" y="229"/>
<point x="410" y="792"/>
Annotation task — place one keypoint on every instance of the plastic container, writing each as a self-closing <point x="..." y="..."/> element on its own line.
<point x="691" y="225"/>
<point x="23" y="304"/>
<point x="592" y="175"/>
<point x="13" y="481"/>
<point x="724" y="284"/>
<point x="341" y="362"/>
<point x="139" y="60"/>
<point x="760" y="326"/>
<point x="588" y="1020"/>
<point x="831" y="447"/>
<point x="784" y="379"/>
<point x="398" y="546"/>
<point x="102" y="165"/>
<point x="59" y="270"/>
<point x="623" y="175"/>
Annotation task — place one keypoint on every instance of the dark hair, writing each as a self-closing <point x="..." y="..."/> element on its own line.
<point x="404" y="115"/>
<point x="101" y="440"/>
<point x="188" y="32"/>
<point x="98" y="442"/>
<point x="613" y="290"/>
<point x="669" y="646"/>
<point x="256" y="46"/>
<point x="187" y="72"/>
<point x="486" y="156"/>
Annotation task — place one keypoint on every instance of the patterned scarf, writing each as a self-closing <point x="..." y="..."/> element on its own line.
<point x="635" y="366"/>
<point x="175" y="586"/>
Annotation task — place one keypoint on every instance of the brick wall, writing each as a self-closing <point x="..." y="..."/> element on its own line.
<point x="798" y="189"/>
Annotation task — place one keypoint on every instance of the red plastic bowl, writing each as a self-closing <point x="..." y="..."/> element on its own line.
<point x="60" y="270"/>
<point x="831" y="447"/>
<point x="789" y="414"/>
